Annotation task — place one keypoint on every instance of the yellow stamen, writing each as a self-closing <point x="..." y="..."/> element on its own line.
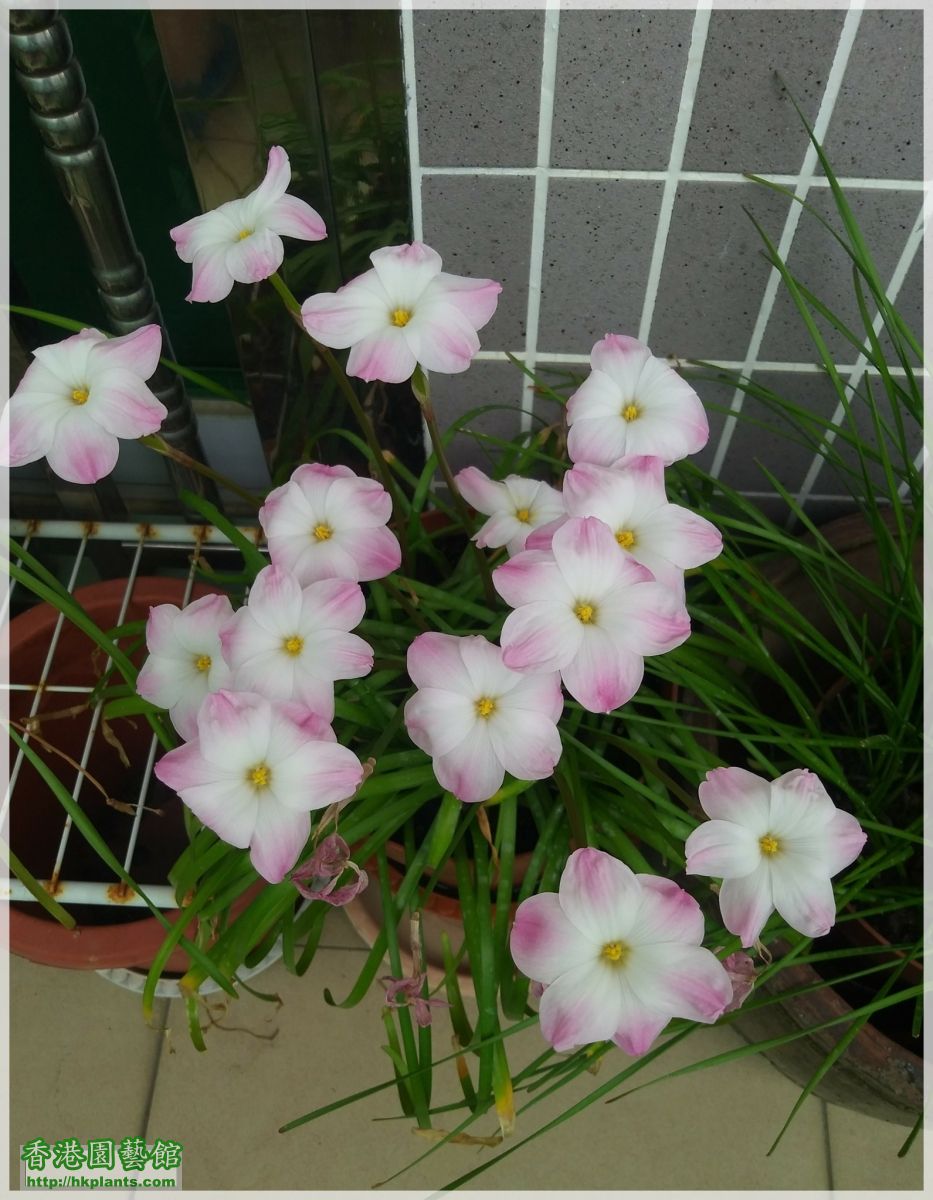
<point x="523" y="515"/>
<point x="244" y="233"/>
<point x="401" y="317"/>
<point x="203" y="662"/>
<point x="259" y="776"/>
<point x="585" y="613"/>
<point x="485" y="707"/>
<point x="769" y="844"/>
<point x="293" y="645"/>
<point x="630" y="412"/>
<point x="322" y="532"/>
<point x="615" y="953"/>
<point x="80" y="396"/>
<point x="625" y="538"/>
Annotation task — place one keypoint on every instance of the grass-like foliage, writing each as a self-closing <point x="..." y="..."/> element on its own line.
<point x="806" y="652"/>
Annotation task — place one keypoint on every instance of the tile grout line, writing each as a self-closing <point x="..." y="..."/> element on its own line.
<point x="539" y="204"/>
<point x="828" y="1146"/>
<point x="547" y="357"/>
<point x="411" y="118"/>
<point x="675" y="162"/>
<point x="919" y="464"/>
<point x="904" y="263"/>
<point x="415" y="173"/>
<point x="807" y="172"/>
<point x="849" y="182"/>
<point x="156" y="1065"/>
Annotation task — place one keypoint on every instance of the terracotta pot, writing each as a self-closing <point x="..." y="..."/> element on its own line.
<point x="106" y="935"/>
<point x="860" y="932"/>
<point x="876" y="1075"/>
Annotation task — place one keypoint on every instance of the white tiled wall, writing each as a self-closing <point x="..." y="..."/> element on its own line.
<point x="593" y="161"/>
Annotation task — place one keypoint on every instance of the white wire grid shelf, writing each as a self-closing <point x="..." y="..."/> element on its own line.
<point x="150" y="547"/>
<point x="543" y="171"/>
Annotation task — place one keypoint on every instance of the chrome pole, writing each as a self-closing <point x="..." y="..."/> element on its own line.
<point x="47" y="71"/>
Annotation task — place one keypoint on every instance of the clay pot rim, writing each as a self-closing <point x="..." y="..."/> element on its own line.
<point x="833" y="1005"/>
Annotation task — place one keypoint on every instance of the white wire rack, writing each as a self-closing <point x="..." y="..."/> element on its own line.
<point x="147" y="544"/>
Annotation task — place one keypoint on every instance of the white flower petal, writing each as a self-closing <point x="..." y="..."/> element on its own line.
<point x="356" y="311"/>
<point x="256" y="257"/>
<point x="800" y="805"/>
<point x="543" y="942"/>
<point x="81" y="450"/>
<point x="747" y="903"/>
<point x="803" y="895"/>
<point x="734" y="794"/>
<point x="278" y="838"/>
<point x="405" y="271"/>
<point x="600" y="895"/>
<point x="471" y="770"/>
<point x="438" y="721"/>
<point x="526" y="743"/>
<point x="722" y="849"/>
<point x="581" y="1006"/>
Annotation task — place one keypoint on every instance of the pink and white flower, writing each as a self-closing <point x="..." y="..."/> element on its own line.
<point x="515" y="506"/>
<point x="775" y="846"/>
<point x="403" y="312"/>
<point x="78" y="397"/>
<point x="477" y="719"/>
<point x="633" y="403"/>
<point x="588" y="611"/>
<point x="241" y="241"/>
<point x="291" y="643"/>
<point x="185" y="660"/>
<point x="254" y="774"/>
<point x="665" y="538"/>
<point x="328" y="523"/>
<point x="620" y="955"/>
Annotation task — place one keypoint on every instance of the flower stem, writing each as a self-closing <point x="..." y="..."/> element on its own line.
<point x="577" y="821"/>
<point x="421" y="388"/>
<point x="398" y="595"/>
<point x="359" y="412"/>
<point x="161" y="446"/>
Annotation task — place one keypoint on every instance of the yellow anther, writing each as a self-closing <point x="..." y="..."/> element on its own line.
<point x="401" y="317"/>
<point x="523" y="515"/>
<point x="485" y="707"/>
<point x="244" y="233"/>
<point x="769" y="844"/>
<point x="630" y="412"/>
<point x="293" y="645"/>
<point x="625" y="538"/>
<point x="80" y="396"/>
<point x="259" y="776"/>
<point x="615" y="953"/>
<point x="322" y="532"/>
<point x="203" y="662"/>
<point x="585" y="613"/>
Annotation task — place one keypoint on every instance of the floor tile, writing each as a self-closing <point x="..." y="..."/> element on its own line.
<point x="82" y="1058"/>
<point x="266" y="1065"/>
<point x="864" y="1150"/>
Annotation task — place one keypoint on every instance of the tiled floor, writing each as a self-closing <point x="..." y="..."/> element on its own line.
<point x="85" y="1065"/>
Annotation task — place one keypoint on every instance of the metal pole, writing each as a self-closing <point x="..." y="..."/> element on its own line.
<point x="49" y="74"/>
